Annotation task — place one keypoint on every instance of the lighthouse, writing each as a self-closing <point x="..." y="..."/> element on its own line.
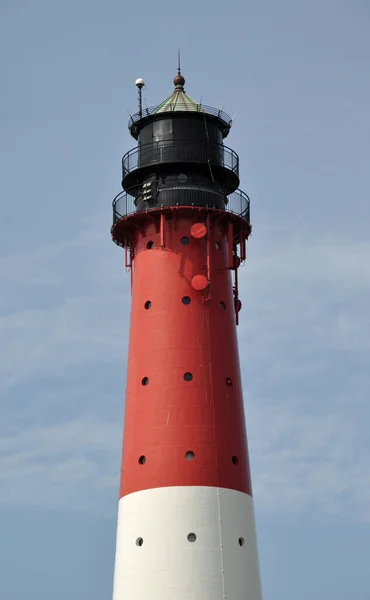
<point x="186" y="526"/>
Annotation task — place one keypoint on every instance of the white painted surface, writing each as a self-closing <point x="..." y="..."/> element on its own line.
<point x="169" y="567"/>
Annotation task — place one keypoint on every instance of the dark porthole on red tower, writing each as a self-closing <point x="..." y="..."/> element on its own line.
<point x="150" y="245"/>
<point x="222" y="305"/>
<point x="145" y="381"/>
<point x="228" y="381"/>
<point x="142" y="460"/>
<point x="147" y="305"/>
<point x="234" y="460"/>
<point x="188" y="376"/>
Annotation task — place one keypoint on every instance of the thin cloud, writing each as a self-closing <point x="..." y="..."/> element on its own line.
<point x="72" y="465"/>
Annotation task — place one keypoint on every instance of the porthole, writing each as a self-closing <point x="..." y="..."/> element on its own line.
<point x="189" y="455"/>
<point x="185" y="240"/>
<point x="186" y="300"/>
<point x="188" y="376"/>
<point x="182" y="178"/>
<point x="192" y="537"/>
<point x="142" y="460"/>
<point x="222" y="305"/>
<point x="234" y="460"/>
<point x="217" y="245"/>
<point x="139" y="541"/>
<point x="147" y="305"/>
<point x="150" y="245"/>
<point x="241" y="541"/>
<point x="145" y="381"/>
<point x="228" y="381"/>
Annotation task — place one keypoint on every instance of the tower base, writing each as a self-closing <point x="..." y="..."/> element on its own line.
<point x="155" y="559"/>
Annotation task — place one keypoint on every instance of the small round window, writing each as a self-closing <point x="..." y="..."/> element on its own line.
<point x="185" y="240"/>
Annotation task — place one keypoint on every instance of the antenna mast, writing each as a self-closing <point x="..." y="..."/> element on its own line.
<point x="140" y="84"/>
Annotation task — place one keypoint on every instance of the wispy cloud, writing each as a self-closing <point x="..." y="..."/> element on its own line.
<point x="72" y="465"/>
<point x="66" y="304"/>
<point x="309" y="462"/>
<point x="305" y="346"/>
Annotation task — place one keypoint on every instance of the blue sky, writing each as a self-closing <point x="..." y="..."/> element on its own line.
<point x="296" y="75"/>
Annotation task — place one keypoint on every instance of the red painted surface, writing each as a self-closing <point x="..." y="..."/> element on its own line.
<point x="198" y="230"/>
<point x="165" y="415"/>
<point x="199" y="282"/>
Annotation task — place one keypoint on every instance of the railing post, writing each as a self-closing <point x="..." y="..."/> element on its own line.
<point x="230" y="246"/>
<point x="162" y="230"/>
<point x="208" y="242"/>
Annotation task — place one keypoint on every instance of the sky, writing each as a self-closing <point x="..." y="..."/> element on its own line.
<point x="294" y="74"/>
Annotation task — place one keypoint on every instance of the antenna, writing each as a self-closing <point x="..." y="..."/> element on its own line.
<point x="140" y="84"/>
<point x="178" y="62"/>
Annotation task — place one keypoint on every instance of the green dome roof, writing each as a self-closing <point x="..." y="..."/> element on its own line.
<point x="179" y="101"/>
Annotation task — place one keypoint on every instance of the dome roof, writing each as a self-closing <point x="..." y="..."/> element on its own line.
<point x="178" y="101"/>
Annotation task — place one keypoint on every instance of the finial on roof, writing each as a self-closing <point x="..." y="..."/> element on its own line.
<point x="179" y="80"/>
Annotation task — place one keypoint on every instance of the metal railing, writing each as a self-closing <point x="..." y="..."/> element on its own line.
<point x="175" y="151"/>
<point x="238" y="202"/>
<point x="180" y="107"/>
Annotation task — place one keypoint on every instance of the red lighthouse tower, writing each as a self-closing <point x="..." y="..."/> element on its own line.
<point x="186" y="528"/>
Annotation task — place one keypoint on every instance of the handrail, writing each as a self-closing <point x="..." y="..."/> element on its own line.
<point x="180" y="107"/>
<point x="180" y="151"/>
<point x="238" y="203"/>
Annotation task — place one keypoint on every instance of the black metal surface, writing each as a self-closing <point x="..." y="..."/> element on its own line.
<point x="237" y="203"/>
<point x="184" y="126"/>
<point x="149" y="157"/>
